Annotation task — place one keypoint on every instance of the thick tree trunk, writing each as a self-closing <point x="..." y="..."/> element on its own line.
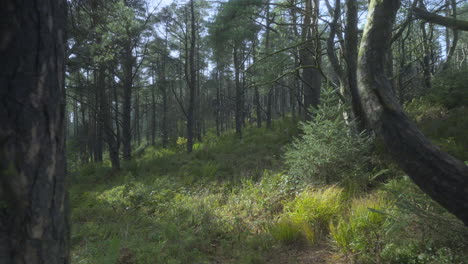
<point x="34" y="225"/>
<point x="310" y="57"/>
<point x="351" y="55"/>
<point x="438" y="174"/>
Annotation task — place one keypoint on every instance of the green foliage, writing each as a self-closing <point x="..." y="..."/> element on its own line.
<point x="449" y="89"/>
<point x="360" y="233"/>
<point x="328" y="151"/>
<point x="309" y="215"/>
<point x="422" y="231"/>
<point x="220" y="204"/>
<point x="399" y="225"/>
<point x="168" y="206"/>
<point x="447" y="128"/>
<point x="286" y="231"/>
<point x="234" y="24"/>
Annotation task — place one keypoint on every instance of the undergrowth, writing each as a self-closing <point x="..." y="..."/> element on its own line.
<point x="243" y="201"/>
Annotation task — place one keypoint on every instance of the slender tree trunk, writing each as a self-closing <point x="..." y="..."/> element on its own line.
<point x="218" y="101"/>
<point x="116" y="113"/>
<point x="127" y="101"/>
<point x="163" y="87"/>
<point x="164" y="125"/>
<point x="426" y="63"/>
<point x="438" y="174"/>
<point x="153" y="112"/>
<point x="34" y="226"/>
<point x="258" y="107"/>
<point x="238" y="114"/>
<point x="269" y="108"/>
<point x="136" y="126"/>
<point x="191" y="80"/>
<point x="106" y="121"/>
<point x="99" y="139"/>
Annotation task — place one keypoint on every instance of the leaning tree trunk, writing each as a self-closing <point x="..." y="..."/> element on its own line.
<point x="33" y="199"/>
<point x="438" y="174"/>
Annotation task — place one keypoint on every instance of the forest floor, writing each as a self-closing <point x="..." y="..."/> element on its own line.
<point x="231" y="201"/>
<point x="215" y="205"/>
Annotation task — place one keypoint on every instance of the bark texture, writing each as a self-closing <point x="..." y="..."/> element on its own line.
<point x="452" y="23"/>
<point x="438" y="174"/>
<point x="33" y="199"/>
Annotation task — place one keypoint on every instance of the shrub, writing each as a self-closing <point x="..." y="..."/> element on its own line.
<point x="310" y="214"/>
<point x="422" y="231"/>
<point x="449" y="88"/>
<point x="361" y="233"/>
<point x="328" y="151"/>
<point x="286" y="231"/>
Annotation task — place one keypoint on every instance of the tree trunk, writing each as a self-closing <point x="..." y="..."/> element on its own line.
<point x="351" y="54"/>
<point x="99" y="139"/>
<point x="116" y="112"/>
<point x="106" y="115"/>
<point x="426" y="63"/>
<point x="127" y="101"/>
<point x="239" y="102"/>
<point x="310" y="57"/>
<point x="191" y="80"/>
<point x="153" y="112"/>
<point x="269" y="110"/>
<point x="34" y="226"/>
<point x="438" y="174"/>
<point x="136" y="126"/>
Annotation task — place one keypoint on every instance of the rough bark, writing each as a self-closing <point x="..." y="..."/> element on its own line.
<point x="438" y="174"/>
<point x="310" y="57"/>
<point x="455" y="24"/>
<point x="34" y="225"/>
<point x="351" y="56"/>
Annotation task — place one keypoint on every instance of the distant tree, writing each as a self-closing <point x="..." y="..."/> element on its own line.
<point x="34" y="226"/>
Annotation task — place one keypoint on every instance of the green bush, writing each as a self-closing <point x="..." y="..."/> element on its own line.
<point x="422" y="231"/>
<point x="449" y="88"/>
<point x="328" y="151"/>
<point x="309" y="214"/>
<point x="361" y="233"/>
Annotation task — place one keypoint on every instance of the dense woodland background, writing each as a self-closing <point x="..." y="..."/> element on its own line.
<point x="227" y="82"/>
<point x="139" y="74"/>
<point x="243" y="131"/>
